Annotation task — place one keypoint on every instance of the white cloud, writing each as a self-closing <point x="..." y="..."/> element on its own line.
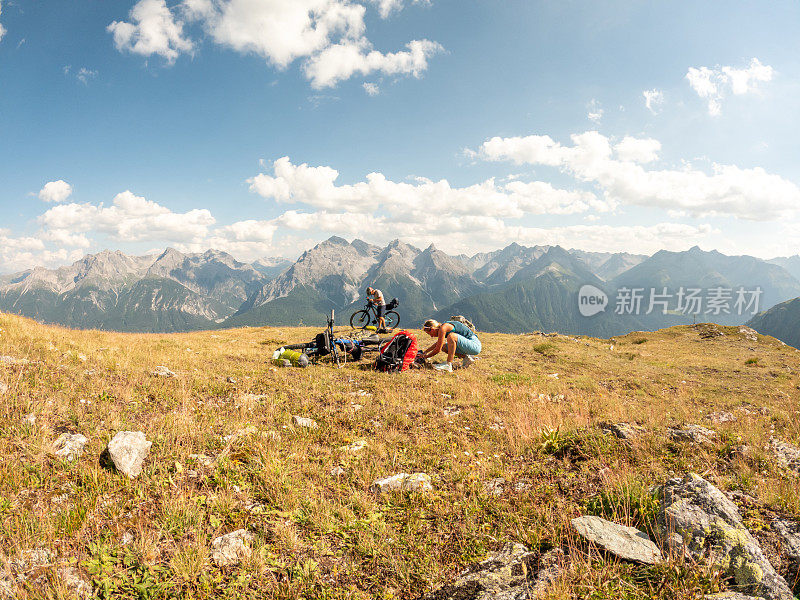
<point x="153" y="30"/>
<point x="20" y="253"/>
<point x="342" y="61"/>
<point x="653" y="100"/>
<point x="713" y="85"/>
<point x="2" y="29"/>
<point x="372" y="89"/>
<point x="415" y="202"/>
<point x="638" y="150"/>
<point x="387" y="7"/>
<point x="595" y="111"/>
<point x="84" y="75"/>
<point x="328" y="35"/>
<point x="131" y="218"/>
<point x="728" y="190"/>
<point x="55" y="191"/>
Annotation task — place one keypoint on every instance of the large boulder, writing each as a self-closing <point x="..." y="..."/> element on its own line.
<point x="697" y="519"/>
<point x="127" y="450"/>
<point x="788" y="455"/>
<point x="626" y="542"/>
<point x="510" y="574"/>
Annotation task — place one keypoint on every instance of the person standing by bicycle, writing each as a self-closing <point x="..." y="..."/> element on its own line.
<point x="375" y="296"/>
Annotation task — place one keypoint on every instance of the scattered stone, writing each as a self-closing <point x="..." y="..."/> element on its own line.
<point x="338" y="472"/>
<point x="28" y="560"/>
<point x="730" y="596"/>
<point x="203" y="459"/>
<point x="523" y="485"/>
<point x="708" y="331"/>
<point x="304" y="422"/>
<point x="127" y="538"/>
<point x="697" y="519"/>
<point x="494" y="487"/>
<point x="355" y="447"/>
<point x="3" y="389"/>
<point x="451" y="411"/>
<point x="230" y="380"/>
<point x="789" y="534"/>
<point x="256" y="508"/>
<point x="29" y="419"/>
<point x="722" y="417"/>
<point x="553" y="375"/>
<point x="162" y="371"/>
<point x="253" y="397"/>
<point x="242" y="433"/>
<point x="692" y="433"/>
<point x="360" y="394"/>
<point x="127" y="450"/>
<point x="497" y="426"/>
<point x="10" y="360"/>
<point x="624" y="431"/>
<point x="403" y="482"/>
<point x="505" y="575"/>
<point x="70" y="446"/>
<point x="749" y="333"/>
<point x="627" y="543"/>
<point x="788" y="454"/>
<point x="75" y="584"/>
<point x="231" y="548"/>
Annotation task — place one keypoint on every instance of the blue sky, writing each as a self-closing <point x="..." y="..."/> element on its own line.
<point x="141" y="124"/>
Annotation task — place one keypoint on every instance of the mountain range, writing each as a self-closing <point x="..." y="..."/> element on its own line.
<point x="513" y="289"/>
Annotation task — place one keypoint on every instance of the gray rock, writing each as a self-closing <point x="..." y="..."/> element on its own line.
<point x="79" y="587"/>
<point x="505" y="575"/>
<point x="10" y="360"/>
<point x="789" y="534"/>
<point x="304" y="422"/>
<point x="748" y="333"/>
<point x="730" y="596"/>
<point x="626" y="542"/>
<point x="162" y="371"/>
<point x="28" y="560"/>
<point x="788" y="454"/>
<point x="451" y="411"/>
<point x="231" y="548"/>
<point x="403" y="482"/>
<point x="698" y="520"/>
<point x="355" y="447"/>
<point x="722" y="417"/>
<point x="494" y="487"/>
<point x="127" y="450"/>
<point x="624" y="431"/>
<point x="70" y="446"/>
<point x="203" y="459"/>
<point x="692" y="433"/>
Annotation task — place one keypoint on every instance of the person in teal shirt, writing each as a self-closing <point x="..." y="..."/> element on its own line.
<point x="452" y="337"/>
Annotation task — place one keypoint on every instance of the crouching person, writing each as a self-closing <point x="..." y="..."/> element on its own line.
<point x="452" y="337"/>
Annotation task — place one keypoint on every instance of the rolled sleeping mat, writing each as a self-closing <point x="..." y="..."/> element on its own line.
<point x="296" y="359"/>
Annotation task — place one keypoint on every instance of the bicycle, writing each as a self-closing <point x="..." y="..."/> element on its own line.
<point x="324" y="344"/>
<point x="368" y="315"/>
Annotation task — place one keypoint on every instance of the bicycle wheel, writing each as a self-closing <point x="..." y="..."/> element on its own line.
<point x="392" y="319"/>
<point x="359" y="319"/>
<point x="296" y="346"/>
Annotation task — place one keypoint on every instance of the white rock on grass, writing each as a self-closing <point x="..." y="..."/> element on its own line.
<point x="162" y="371"/>
<point x="79" y="587"/>
<point x="10" y="360"/>
<point x="70" y="446"/>
<point x="231" y="548"/>
<point x="788" y="455"/>
<point x="203" y="459"/>
<point x="3" y="389"/>
<point x="338" y="471"/>
<point x="355" y="447"/>
<point x="403" y="482"/>
<point x="28" y="560"/>
<point x="696" y="434"/>
<point x="304" y="422"/>
<point x="625" y="542"/>
<point x="127" y="450"/>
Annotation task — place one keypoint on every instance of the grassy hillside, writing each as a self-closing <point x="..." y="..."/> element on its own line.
<point x="530" y="413"/>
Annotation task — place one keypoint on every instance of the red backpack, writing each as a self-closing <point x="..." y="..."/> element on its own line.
<point x="398" y="353"/>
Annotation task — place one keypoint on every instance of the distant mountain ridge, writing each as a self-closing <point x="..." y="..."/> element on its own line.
<point x="513" y="289"/>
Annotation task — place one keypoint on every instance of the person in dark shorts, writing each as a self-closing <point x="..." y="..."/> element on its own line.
<point x="376" y="297"/>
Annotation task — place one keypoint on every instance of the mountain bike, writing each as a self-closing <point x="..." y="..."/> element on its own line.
<point x="324" y="344"/>
<point x="369" y="316"/>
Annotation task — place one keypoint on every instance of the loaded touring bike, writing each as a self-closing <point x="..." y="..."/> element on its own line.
<point x="368" y="315"/>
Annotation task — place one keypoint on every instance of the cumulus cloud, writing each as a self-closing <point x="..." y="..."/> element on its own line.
<point x="342" y="61"/>
<point x="713" y="85"/>
<point x="372" y="89"/>
<point x="19" y="253"/>
<point x="55" y="191"/>
<point x="653" y="99"/>
<point x="415" y="202"/>
<point x="596" y="111"/>
<point x="728" y="190"/>
<point x="387" y="7"/>
<point x="130" y="218"/>
<point x="2" y="29"/>
<point x="153" y="30"/>
<point x="329" y="36"/>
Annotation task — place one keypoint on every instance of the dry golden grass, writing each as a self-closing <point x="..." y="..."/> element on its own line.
<point x="322" y="536"/>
